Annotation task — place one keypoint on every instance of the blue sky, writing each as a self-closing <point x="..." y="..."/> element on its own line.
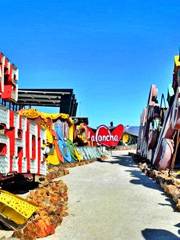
<point x="108" y="51"/>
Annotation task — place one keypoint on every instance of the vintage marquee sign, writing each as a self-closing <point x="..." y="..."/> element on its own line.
<point x="21" y="140"/>
<point x="105" y="136"/>
<point x="21" y="144"/>
<point x="8" y="79"/>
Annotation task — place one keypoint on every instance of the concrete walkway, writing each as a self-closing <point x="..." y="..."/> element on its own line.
<point x="113" y="200"/>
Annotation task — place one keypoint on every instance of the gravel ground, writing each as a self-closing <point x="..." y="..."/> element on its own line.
<point x="113" y="200"/>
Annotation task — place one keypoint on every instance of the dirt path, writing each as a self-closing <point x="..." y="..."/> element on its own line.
<point x="113" y="200"/>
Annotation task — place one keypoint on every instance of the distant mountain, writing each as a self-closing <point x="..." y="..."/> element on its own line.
<point x="132" y="130"/>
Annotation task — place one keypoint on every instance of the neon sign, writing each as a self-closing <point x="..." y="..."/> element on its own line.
<point x="107" y="137"/>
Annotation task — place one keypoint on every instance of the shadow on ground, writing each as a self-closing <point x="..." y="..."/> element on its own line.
<point x="139" y="178"/>
<point x="5" y="228"/>
<point x="178" y="225"/>
<point x="124" y="160"/>
<point x="171" y="202"/>
<point x="158" y="234"/>
<point x="19" y="185"/>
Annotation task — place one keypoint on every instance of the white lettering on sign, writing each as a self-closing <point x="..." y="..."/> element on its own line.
<point x="93" y="139"/>
<point x="107" y="138"/>
<point x="102" y="138"/>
